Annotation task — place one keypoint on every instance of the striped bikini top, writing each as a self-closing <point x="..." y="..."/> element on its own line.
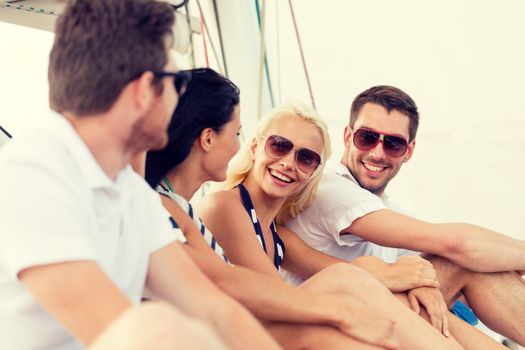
<point x="186" y="206"/>
<point x="277" y="242"/>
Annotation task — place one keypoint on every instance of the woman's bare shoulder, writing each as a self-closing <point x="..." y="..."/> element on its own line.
<point x="227" y="200"/>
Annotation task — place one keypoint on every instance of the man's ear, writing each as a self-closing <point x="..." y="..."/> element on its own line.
<point x="346" y="135"/>
<point x="206" y="139"/>
<point x="410" y="151"/>
<point x="143" y="91"/>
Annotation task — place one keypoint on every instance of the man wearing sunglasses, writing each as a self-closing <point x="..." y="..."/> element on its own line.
<point x="352" y="217"/>
<point x="81" y="234"/>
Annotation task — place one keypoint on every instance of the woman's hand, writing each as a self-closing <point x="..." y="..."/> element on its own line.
<point x="407" y="273"/>
<point x="410" y="272"/>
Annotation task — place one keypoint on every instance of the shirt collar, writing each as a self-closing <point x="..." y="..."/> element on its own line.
<point x="341" y="170"/>
<point x="82" y="157"/>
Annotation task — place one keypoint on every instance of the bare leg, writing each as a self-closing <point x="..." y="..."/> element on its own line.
<point x="469" y="337"/>
<point x="413" y="332"/>
<point x="156" y="326"/>
<point x="306" y="337"/>
<point x="494" y="297"/>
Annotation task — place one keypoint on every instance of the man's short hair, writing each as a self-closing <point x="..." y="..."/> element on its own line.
<point x="102" y="45"/>
<point x="391" y="98"/>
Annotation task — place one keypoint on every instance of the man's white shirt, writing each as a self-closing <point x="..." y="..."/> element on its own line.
<point x="58" y="205"/>
<point x="338" y="202"/>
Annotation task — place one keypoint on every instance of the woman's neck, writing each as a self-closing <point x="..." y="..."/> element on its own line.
<point x="183" y="181"/>
<point x="266" y="207"/>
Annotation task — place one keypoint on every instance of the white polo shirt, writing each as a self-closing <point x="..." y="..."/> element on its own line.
<point x="56" y="205"/>
<point x="338" y="202"/>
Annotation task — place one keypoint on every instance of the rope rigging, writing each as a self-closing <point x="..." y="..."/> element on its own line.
<point x="213" y="48"/>
<point x="261" y="18"/>
<point x="302" y="54"/>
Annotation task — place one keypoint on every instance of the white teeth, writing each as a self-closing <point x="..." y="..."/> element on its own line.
<point x="373" y="167"/>
<point x="280" y="176"/>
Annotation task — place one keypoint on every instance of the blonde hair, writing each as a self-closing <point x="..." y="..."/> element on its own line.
<point x="242" y="163"/>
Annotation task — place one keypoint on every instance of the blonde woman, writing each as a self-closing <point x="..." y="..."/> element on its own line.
<point x="275" y="176"/>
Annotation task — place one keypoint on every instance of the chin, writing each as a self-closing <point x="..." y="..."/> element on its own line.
<point x="159" y="143"/>
<point x="368" y="185"/>
<point x="375" y="187"/>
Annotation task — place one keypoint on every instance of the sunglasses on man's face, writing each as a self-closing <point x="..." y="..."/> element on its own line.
<point x="307" y="160"/>
<point x="394" y="146"/>
<point x="181" y="79"/>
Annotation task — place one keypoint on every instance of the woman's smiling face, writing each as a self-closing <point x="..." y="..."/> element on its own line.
<point x="280" y="177"/>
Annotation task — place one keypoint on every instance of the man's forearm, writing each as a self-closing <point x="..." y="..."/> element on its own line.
<point x="482" y="250"/>
<point x="469" y="246"/>
<point x="97" y="300"/>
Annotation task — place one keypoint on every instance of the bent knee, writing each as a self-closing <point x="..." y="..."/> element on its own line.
<point x="346" y="278"/>
<point x="356" y="276"/>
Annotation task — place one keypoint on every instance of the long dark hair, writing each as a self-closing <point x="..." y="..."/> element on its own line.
<point x="208" y="102"/>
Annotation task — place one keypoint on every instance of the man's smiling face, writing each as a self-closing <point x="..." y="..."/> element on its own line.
<point x="373" y="168"/>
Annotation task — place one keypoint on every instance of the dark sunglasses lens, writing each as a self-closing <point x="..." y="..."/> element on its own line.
<point x="307" y="160"/>
<point x="182" y="80"/>
<point x="395" y="146"/>
<point x="365" y="139"/>
<point x="277" y="146"/>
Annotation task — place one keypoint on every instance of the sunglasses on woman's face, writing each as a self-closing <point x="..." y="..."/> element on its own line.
<point x="394" y="146"/>
<point x="307" y="160"/>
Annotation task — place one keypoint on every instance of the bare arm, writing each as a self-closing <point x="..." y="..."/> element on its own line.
<point x="78" y="294"/>
<point x="410" y="273"/>
<point x="173" y="277"/>
<point x="469" y="246"/>
<point x="279" y="302"/>
<point x="225" y="216"/>
<point x="407" y="273"/>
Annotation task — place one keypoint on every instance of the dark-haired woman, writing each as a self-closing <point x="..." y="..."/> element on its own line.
<point x="203" y="137"/>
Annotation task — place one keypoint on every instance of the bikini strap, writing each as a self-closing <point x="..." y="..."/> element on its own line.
<point x="248" y="205"/>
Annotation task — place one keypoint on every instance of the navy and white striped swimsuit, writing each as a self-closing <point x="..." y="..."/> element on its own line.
<point x="277" y="241"/>
<point x="186" y="206"/>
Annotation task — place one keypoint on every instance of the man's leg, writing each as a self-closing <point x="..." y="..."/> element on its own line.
<point x="470" y="337"/>
<point x="298" y="337"/>
<point x="413" y="332"/>
<point x="466" y="335"/>
<point x="156" y="326"/>
<point x="494" y="297"/>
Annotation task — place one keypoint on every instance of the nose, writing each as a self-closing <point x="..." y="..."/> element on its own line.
<point x="377" y="152"/>
<point x="288" y="161"/>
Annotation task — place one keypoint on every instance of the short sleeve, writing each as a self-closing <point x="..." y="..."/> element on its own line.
<point x="42" y="218"/>
<point x="167" y="231"/>
<point x="339" y="201"/>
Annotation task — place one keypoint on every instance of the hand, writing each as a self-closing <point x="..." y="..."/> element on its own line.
<point x="410" y="272"/>
<point x="366" y="323"/>
<point x="432" y="300"/>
